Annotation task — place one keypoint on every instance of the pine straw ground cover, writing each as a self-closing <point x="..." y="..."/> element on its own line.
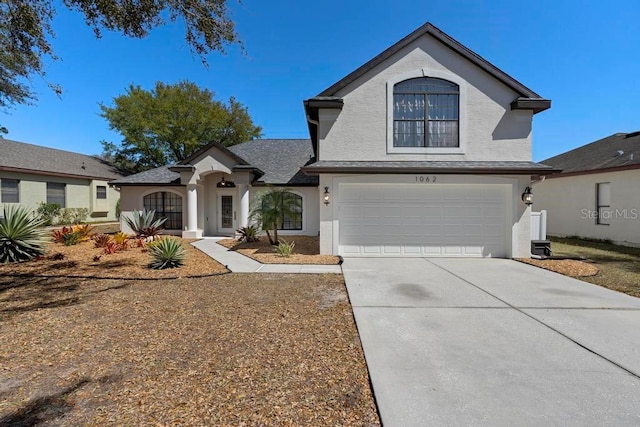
<point x="306" y="251"/>
<point x="234" y="349"/>
<point x="78" y="260"/>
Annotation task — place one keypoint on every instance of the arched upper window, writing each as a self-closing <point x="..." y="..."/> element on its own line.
<point x="167" y="205"/>
<point x="426" y="113"/>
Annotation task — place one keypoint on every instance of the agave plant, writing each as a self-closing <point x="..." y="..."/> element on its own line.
<point x="167" y="253"/>
<point x="21" y="235"/>
<point x="248" y="234"/>
<point x="144" y="224"/>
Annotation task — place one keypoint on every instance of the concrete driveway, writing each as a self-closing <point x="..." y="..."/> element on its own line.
<point x="494" y="342"/>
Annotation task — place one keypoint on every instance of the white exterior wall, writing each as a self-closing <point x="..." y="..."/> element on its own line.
<point x="518" y="218"/>
<point x="131" y="199"/>
<point x="489" y="130"/>
<point x="310" y="208"/>
<point x="571" y="204"/>
<point x="79" y="193"/>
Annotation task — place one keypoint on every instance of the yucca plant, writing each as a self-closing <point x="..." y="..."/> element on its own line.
<point x="21" y="235"/>
<point x="144" y="224"/>
<point x="167" y="253"/>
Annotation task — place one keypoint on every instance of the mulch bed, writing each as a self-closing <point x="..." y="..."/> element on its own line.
<point x="306" y="251"/>
<point x="78" y="261"/>
<point x="568" y="267"/>
<point x="233" y="349"/>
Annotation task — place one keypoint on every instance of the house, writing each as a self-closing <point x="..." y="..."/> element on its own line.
<point x="425" y="150"/>
<point x="32" y="174"/>
<point x="597" y="195"/>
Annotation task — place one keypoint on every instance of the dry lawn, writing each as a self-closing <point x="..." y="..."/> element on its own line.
<point x="619" y="266"/>
<point x="306" y="251"/>
<point x="232" y="349"/>
<point x="133" y="263"/>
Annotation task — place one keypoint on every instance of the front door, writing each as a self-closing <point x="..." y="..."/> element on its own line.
<point x="226" y="214"/>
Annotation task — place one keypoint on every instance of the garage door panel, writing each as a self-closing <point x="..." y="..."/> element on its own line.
<point x="430" y="220"/>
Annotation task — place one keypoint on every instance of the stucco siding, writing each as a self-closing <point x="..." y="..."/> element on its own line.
<point x="79" y="193"/>
<point x="571" y="206"/>
<point x="517" y="225"/>
<point x="489" y="130"/>
<point x="132" y="200"/>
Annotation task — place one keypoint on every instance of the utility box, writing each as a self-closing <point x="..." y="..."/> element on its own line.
<point x="541" y="248"/>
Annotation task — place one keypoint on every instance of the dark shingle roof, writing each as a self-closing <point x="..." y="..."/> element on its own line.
<point x="160" y="176"/>
<point x="20" y="156"/>
<point x="448" y="41"/>
<point x="279" y="159"/>
<point x="617" y="150"/>
<point x="457" y="167"/>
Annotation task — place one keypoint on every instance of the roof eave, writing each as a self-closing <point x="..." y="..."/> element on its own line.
<point x="449" y="42"/>
<point x="316" y="170"/>
<point x="536" y="104"/>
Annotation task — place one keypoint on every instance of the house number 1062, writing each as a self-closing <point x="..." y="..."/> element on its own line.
<point x="426" y="179"/>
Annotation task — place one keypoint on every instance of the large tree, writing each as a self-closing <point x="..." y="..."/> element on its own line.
<point x="25" y="32"/>
<point x="170" y="122"/>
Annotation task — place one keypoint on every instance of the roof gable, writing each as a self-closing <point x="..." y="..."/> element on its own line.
<point x="620" y="150"/>
<point x="436" y="33"/>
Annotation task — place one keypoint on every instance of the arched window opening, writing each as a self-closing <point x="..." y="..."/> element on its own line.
<point x="426" y="113"/>
<point x="167" y="205"/>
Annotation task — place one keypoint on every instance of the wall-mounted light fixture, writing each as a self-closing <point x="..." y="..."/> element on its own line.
<point x="527" y="197"/>
<point x="225" y="184"/>
<point x="326" y="197"/>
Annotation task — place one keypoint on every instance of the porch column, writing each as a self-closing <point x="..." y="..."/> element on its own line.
<point x="244" y="205"/>
<point x="201" y="203"/>
<point x="192" y="213"/>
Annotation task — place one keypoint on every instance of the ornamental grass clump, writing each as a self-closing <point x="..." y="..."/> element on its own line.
<point x="284" y="248"/>
<point x="21" y="235"/>
<point x="167" y="253"/>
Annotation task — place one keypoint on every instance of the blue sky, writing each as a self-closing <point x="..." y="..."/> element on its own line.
<point x="584" y="57"/>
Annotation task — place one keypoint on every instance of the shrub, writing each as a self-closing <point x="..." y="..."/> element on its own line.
<point x="101" y="240"/>
<point x="121" y="239"/>
<point x="85" y="231"/>
<point x="71" y="239"/>
<point x="73" y="215"/>
<point x="284" y="248"/>
<point x="21" y="235"/>
<point x="167" y="253"/>
<point x="58" y="235"/>
<point x="111" y="248"/>
<point x="48" y="212"/>
<point x="248" y="234"/>
<point x="143" y="223"/>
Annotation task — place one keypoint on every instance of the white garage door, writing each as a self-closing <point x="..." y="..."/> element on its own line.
<point x="423" y="220"/>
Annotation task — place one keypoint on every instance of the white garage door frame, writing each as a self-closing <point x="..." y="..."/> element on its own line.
<point x="510" y="186"/>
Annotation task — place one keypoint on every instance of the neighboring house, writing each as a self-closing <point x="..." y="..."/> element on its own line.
<point x="32" y="174"/>
<point x="597" y="195"/>
<point x="423" y="151"/>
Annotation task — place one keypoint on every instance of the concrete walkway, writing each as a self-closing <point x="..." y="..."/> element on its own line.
<point x="239" y="263"/>
<point x="494" y="342"/>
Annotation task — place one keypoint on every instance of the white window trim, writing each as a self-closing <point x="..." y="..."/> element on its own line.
<point x="462" y="115"/>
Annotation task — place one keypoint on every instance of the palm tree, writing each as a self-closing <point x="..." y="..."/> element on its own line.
<point x="272" y="207"/>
